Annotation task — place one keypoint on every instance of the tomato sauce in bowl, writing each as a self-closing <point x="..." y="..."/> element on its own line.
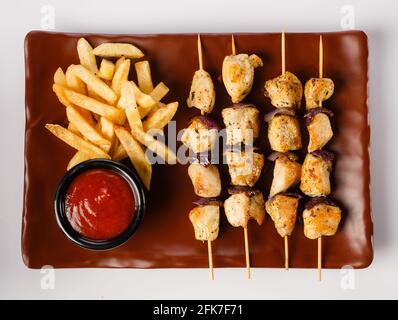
<point x="99" y="204"/>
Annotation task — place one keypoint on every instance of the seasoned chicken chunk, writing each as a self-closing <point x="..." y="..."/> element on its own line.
<point x="283" y="210"/>
<point x="321" y="218"/>
<point x="317" y="90"/>
<point x="238" y="74"/>
<point x="315" y="174"/>
<point x="202" y="94"/>
<point x="319" y="128"/>
<point x="287" y="173"/>
<point x="205" y="180"/>
<point x="244" y="205"/>
<point x="284" y="133"/>
<point x="285" y="91"/>
<point x="205" y="220"/>
<point x="242" y="123"/>
<point x="201" y="135"/>
<point x="244" y="167"/>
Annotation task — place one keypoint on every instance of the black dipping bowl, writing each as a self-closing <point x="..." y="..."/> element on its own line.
<point x="59" y="202"/>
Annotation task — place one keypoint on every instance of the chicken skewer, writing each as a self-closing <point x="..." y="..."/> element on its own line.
<point x="202" y="94"/>
<point x="285" y="92"/>
<point x="320" y="104"/>
<point x="321" y="216"/>
<point x="242" y="127"/>
<point x="200" y="137"/>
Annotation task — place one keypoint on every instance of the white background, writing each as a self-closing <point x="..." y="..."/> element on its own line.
<point x="378" y="18"/>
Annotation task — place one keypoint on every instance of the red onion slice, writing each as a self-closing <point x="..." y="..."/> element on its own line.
<point x="319" y="200"/>
<point x="290" y="155"/>
<point x="280" y="111"/>
<point x="287" y="194"/>
<point x="208" y="122"/>
<point x="203" y="159"/>
<point x="242" y="105"/>
<point x="324" y="155"/>
<point x="309" y="116"/>
<point x="243" y="189"/>
<point x="208" y="202"/>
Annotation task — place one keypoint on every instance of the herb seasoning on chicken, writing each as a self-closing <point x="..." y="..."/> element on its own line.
<point x="321" y="218"/>
<point x="244" y="204"/>
<point x="317" y="90"/>
<point x="287" y="172"/>
<point x="242" y="123"/>
<point x="238" y="74"/>
<point x="202" y="95"/>
<point x="285" y="91"/>
<point x="282" y="208"/>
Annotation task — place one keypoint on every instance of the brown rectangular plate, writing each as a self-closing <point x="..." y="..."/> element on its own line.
<point x="166" y="238"/>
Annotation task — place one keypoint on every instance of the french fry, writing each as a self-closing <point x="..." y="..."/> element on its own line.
<point x="161" y="117"/>
<point x="112" y="113"/>
<point x="79" y="157"/>
<point x="159" y="92"/>
<point x="107" y="69"/>
<point x="60" y="93"/>
<point x="119" y="153"/>
<point x="59" y="77"/>
<point x="154" y="145"/>
<point x="116" y="50"/>
<point x="86" y="129"/>
<point x="136" y="155"/>
<point x="72" y="128"/>
<point x="144" y="76"/>
<point x="107" y="128"/>
<point x="73" y="82"/>
<point x="128" y="103"/>
<point x="119" y="62"/>
<point x="120" y="75"/>
<point x="86" y="57"/>
<point x="92" y="94"/>
<point x="145" y="102"/>
<point x="76" y="142"/>
<point x="96" y="84"/>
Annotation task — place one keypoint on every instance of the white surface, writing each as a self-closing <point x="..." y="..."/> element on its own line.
<point x="377" y="18"/>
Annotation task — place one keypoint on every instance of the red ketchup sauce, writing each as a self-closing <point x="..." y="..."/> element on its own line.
<point x="99" y="204"/>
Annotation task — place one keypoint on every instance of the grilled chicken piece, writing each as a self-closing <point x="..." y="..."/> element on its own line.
<point x="244" y="167"/>
<point x="319" y="128"/>
<point x="283" y="210"/>
<point x="244" y="205"/>
<point x="205" y="180"/>
<point x="317" y="90"/>
<point x="238" y="74"/>
<point x="315" y="173"/>
<point x="201" y="135"/>
<point x="285" y="91"/>
<point x="284" y="133"/>
<point x="287" y="173"/>
<point x="242" y="123"/>
<point x="205" y="220"/>
<point x="202" y="94"/>
<point x="321" y="218"/>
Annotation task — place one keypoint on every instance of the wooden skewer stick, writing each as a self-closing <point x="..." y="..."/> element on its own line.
<point x="320" y="259"/>
<point x="286" y="253"/>
<point x="320" y="104"/>
<point x="320" y="57"/>
<point x="210" y="251"/>
<point x="283" y="52"/>
<point x="247" y="252"/>
<point x="200" y="53"/>
<point x="233" y="45"/>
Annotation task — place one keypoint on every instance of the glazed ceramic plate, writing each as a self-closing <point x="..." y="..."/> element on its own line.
<point x="165" y="238"/>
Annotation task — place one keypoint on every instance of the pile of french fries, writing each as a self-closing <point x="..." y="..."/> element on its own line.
<point x="110" y="116"/>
